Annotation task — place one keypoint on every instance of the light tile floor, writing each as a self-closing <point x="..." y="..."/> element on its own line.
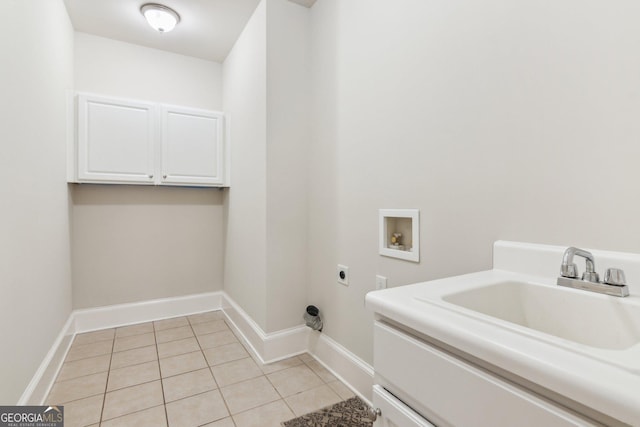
<point x="185" y="372"/>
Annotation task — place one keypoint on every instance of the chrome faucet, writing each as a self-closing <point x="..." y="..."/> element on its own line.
<point x="569" y="269"/>
<point x="614" y="280"/>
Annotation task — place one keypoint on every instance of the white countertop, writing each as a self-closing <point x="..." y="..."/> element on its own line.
<point x="581" y="373"/>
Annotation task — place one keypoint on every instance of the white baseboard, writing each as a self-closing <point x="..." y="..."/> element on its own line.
<point x="342" y="363"/>
<point x="267" y="347"/>
<point x="112" y="316"/>
<point x="349" y="368"/>
<point x="42" y="381"/>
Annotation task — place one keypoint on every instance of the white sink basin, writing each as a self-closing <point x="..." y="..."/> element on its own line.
<point x="580" y="345"/>
<point x="582" y="317"/>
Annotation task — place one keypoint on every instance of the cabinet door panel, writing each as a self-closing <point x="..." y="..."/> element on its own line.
<point x="115" y="140"/>
<point x="192" y="146"/>
<point x="455" y="393"/>
<point x="395" y="413"/>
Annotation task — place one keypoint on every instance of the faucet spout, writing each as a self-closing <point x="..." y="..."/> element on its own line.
<point x="614" y="280"/>
<point x="569" y="269"/>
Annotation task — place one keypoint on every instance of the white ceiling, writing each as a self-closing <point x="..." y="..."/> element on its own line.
<point x="207" y="29"/>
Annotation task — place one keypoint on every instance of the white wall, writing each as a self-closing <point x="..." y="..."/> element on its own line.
<point x="140" y="243"/>
<point x="266" y="91"/>
<point x="498" y="120"/>
<point x="245" y="91"/>
<point x="134" y="243"/>
<point x="35" y="273"/>
<point x="116" y="68"/>
<point x="287" y="150"/>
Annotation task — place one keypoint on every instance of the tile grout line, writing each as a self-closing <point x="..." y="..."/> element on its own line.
<point x="57" y="381"/>
<point x="106" y="386"/>
<point x="164" y="399"/>
<point x="280" y="394"/>
<point x="284" y="399"/>
<point x="211" y="371"/>
<point x="125" y="415"/>
<point x="324" y="383"/>
<point x="146" y="382"/>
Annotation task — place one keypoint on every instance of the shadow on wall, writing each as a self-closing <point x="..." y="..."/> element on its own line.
<point x="105" y="194"/>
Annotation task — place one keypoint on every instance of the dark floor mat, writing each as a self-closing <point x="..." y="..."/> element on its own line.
<point x="348" y="413"/>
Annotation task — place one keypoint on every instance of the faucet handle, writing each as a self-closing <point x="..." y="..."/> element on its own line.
<point x="615" y="276"/>
<point x="569" y="270"/>
<point x="591" y="276"/>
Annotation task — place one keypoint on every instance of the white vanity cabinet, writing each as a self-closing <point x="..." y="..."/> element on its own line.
<point x="121" y="141"/>
<point x="393" y="412"/>
<point x="415" y="377"/>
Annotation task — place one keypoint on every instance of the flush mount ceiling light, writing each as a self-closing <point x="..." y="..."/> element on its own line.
<point x="161" y="18"/>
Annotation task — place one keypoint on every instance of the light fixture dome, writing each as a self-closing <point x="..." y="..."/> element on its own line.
<point x="161" y="18"/>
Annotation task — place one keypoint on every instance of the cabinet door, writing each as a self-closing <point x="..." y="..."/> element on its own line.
<point x="192" y="146"/>
<point x="116" y="140"/>
<point x="393" y="412"/>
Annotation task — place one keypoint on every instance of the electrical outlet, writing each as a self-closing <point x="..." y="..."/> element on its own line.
<point x="381" y="282"/>
<point x="343" y="274"/>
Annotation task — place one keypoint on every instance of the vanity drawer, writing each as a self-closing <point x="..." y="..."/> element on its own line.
<point x="393" y="412"/>
<point x="452" y="392"/>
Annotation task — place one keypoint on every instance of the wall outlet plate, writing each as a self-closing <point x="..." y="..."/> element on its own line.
<point x="381" y="282"/>
<point x="343" y="274"/>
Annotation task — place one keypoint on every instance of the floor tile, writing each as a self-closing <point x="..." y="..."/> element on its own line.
<point x="136" y="341"/>
<point x="249" y="394"/>
<point x="342" y="390"/>
<point x="83" y="412"/>
<point x="174" y="348"/>
<point x="132" y="399"/>
<point x="206" y="317"/>
<point x="183" y="363"/>
<point x="197" y="366"/>
<point x="281" y="365"/>
<point x="83" y="351"/>
<point x="269" y="415"/>
<point x="225" y="422"/>
<point x="217" y="339"/>
<point x="91" y="337"/>
<point x="152" y="417"/>
<point x="321" y="371"/>
<point x="81" y="367"/>
<point x="294" y="380"/>
<point x="78" y="388"/>
<point x="306" y="357"/>
<point x="189" y="384"/>
<point x="173" y="334"/>
<point x="235" y="372"/>
<point x="225" y="353"/>
<point x="139" y="329"/>
<point x="312" y="400"/>
<point x="174" y="322"/>
<point x="210" y="327"/>
<point x="133" y="375"/>
<point x="197" y="410"/>
<point x="134" y="356"/>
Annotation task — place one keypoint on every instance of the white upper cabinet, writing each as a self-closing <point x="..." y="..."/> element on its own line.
<point x="116" y="140"/>
<point x="134" y="142"/>
<point x="192" y="148"/>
